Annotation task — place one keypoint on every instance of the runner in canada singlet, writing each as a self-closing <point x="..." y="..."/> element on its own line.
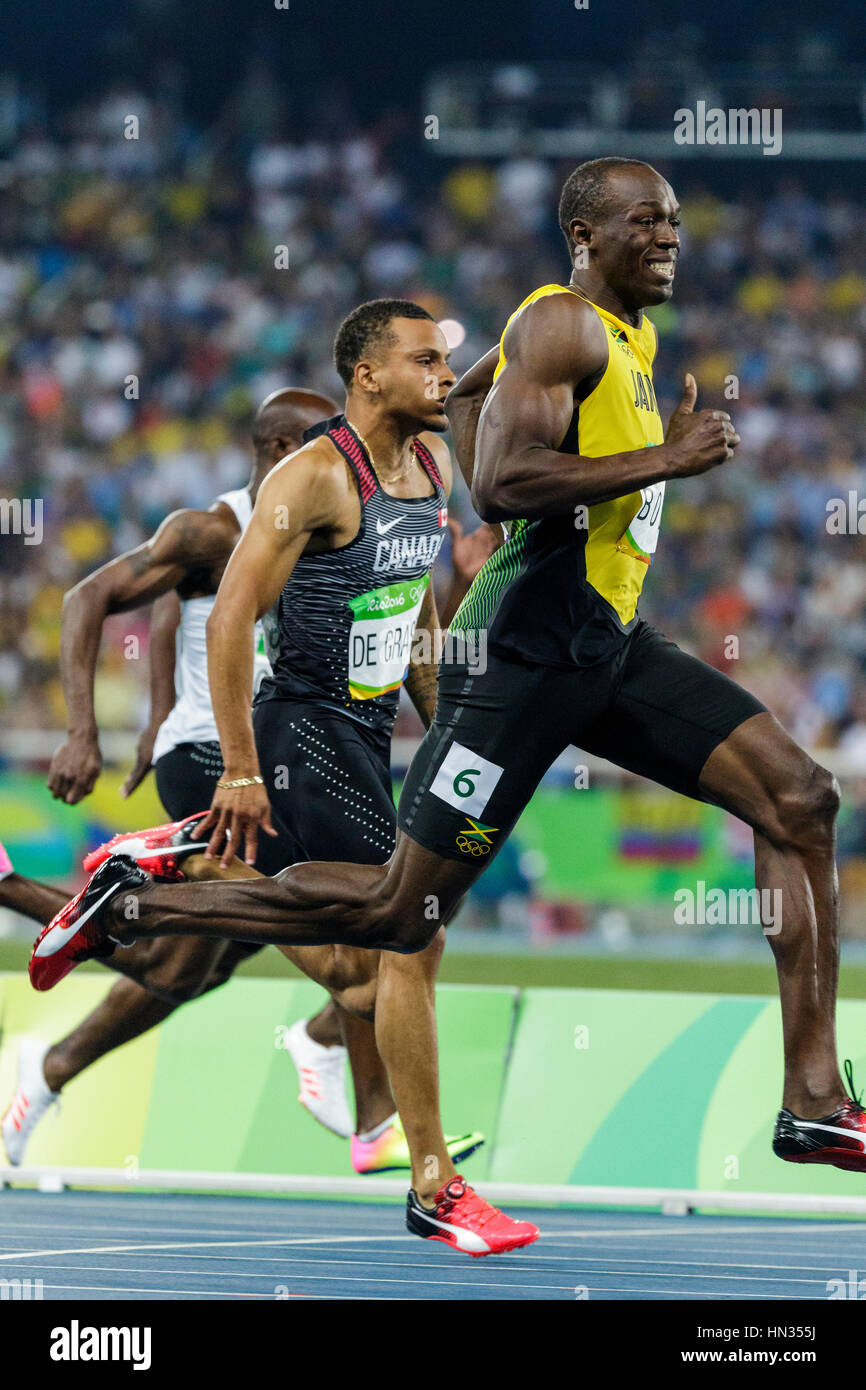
<point x="346" y="617"/>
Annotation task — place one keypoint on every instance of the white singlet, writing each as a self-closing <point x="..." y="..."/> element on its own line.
<point x="192" y="720"/>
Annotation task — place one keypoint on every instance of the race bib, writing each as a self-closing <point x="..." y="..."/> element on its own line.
<point x="644" y="529"/>
<point x="380" y="639"/>
<point x="466" y="780"/>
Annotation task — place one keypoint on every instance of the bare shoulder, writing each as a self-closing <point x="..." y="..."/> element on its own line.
<point x="556" y="338"/>
<point x="192" y="536"/>
<point x="318" y="464"/>
<point x="315" y="479"/>
<point x="436" y="445"/>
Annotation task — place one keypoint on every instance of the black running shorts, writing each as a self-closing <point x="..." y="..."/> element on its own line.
<point x="186" y="778"/>
<point x="652" y="709"/>
<point x="328" y="779"/>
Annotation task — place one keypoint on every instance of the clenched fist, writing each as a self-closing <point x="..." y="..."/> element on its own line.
<point x="74" y="769"/>
<point x="698" y="440"/>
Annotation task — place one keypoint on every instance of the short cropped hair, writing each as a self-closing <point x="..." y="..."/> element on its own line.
<point x="586" y="190"/>
<point x="367" y="327"/>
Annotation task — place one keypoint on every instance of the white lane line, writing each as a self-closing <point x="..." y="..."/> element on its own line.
<point x="342" y="1231"/>
<point x="630" y="1294"/>
<point x="661" y="1226"/>
<point x="732" y="1254"/>
<point x="194" y="1245"/>
<point x="537" y="1265"/>
<point x="171" y="1293"/>
<point x="234" y="1205"/>
<point x="511" y="1264"/>
<point x="371" y="1275"/>
<point x="576" y="1260"/>
<point x="331" y="1278"/>
<point x="128" y="1229"/>
<point x="669" y="1294"/>
<point x="714" y="1264"/>
<point x="681" y="1274"/>
<point x="204" y="1293"/>
<point x="124" y="1233"/>
<point x="687" y="1226"/>
<point x="288" y="1242"/>
<point x="733" y="1250"/>
<point x="371" y="1278"/>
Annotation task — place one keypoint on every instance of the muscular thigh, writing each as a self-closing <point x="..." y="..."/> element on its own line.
<point x="667" y="714"/>
<point x="330" y="791"/>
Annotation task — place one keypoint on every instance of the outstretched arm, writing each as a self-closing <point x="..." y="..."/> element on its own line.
<point x="185" y="541"/>
<point x="556" y="351"/>
<point x="164" y="622"/>
<point x="296" y="499"/>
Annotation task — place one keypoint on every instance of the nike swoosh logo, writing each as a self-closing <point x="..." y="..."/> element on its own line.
<point x="58" y="938"/>
<point x="139" y="849"/>
<point x="388" y="524"/>
<point x="835" y="1129"/>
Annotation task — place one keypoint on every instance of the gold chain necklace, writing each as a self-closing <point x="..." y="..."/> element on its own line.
<point x="397" y="476"/>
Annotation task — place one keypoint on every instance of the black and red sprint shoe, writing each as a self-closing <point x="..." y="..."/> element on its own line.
<point x="158" y="851"/>
<point x="809" y="1141"/>
<point x="76" y="933"/>
<point x="465" y="1221"/>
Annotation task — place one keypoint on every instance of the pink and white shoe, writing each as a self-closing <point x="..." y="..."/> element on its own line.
<point x="5" y="862"/>
<point x="158" y="851"/>
<point x="389" y="1151"/>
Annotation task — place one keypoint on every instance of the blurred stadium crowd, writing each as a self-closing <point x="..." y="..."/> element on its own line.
<point x="154" y="258"/>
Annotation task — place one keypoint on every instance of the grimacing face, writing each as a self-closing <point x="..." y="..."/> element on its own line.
<point x="636" y="242"/>
<point x="413" y="375"/>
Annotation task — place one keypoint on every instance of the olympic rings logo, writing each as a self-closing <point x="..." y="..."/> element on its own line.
<point x="474" y="847"/>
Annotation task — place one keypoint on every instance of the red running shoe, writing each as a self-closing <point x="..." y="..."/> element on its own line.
<point x="157" y="851"/>
<point x="809" y="1141"/>
<point x="467" y="1222"/>
<point x="76" y="933"/>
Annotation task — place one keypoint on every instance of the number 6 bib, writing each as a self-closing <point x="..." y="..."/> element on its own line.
<point x="465" y="780"/>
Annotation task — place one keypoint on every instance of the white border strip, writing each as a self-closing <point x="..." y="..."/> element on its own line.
<point x="675" y="1201"/>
